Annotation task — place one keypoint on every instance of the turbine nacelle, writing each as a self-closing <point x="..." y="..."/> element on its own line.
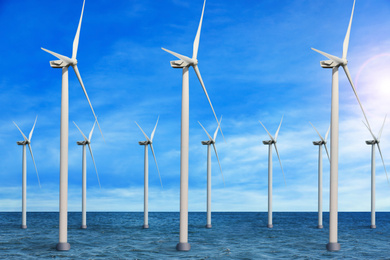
<point x="208" y="142"/>
<point x="145" y="143"/>
<point x="23" y="142"/>
<point x="319" y="142"/>
<point x="59" y="64"/>
<point x="269" y="142"/>
<point x="83" y="142"/>
<point x="371" y="142"/>
<point x="330" y="64"/>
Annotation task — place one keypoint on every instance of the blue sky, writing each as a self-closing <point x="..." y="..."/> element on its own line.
<point x="256" y="62"/>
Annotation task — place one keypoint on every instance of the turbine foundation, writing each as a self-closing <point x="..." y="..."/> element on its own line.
<point x="23" y="226"/>
<point x="83" y="227"/>
<point x="183" y="247"/>
<point x="270" y="226"/>
<point x="373" y="226"/>
<point x="63" y="246"/>
<point x="145" y="226"/>
<point x="208" y="226"/>
<point x="333" y="247"/>
<point x="320" y="226"/>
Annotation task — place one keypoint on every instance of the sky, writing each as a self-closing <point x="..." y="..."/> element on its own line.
<point x="256" y="63"/>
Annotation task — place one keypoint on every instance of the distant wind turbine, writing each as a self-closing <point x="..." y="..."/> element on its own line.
<point x="373" y="143"/>
<point x="320" y="144"/>
<point x="184" y="63"/>
<point x="87" y="141"/>
<point x="211" y="141"/>
<point x="149" y="141"/>
<point x="270" y="143"/>
<point x="64" y="63"/>
<point x="334" y="63"/>
<point x="27" y="141"/>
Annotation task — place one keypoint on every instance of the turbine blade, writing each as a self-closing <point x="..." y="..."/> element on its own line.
<point x="76" y="38"/>
<point x="384" y="166"/>
<point x="76" y="70"/>
<point x="36" y="170"/>
<point x="197" y="37"/>
<point x="182" y="57"/>
<point x="25" y="138"/>
<point x="346" y="40"/>
<point x="332" y="57"/>
<point x="90" y="150"/>
<point x="276" y="149"/>
<point x="147" y="138"/>
<point x="267" y="131"/>
<point x="205" y="91"/>
<point x="211" y="139"/>
<point x="327" y="153"/>
<point x="380" y="132"/>
<point x="59" y="56"/>
<point x="152" y="135"/>
<point x="277" y="132"/>
<point x="32" y="129"/>
<point x="326" y="136"/>
<point x="85" y="138"/>
<point x="154" y="156"/>
<point x="373" y="136"/>
<point x="216" y="131"/>
<point x="90" y="133"/>
<point x="345" y="67"/>
<point x="216" y="154"/>
<point x="317" y="132"/>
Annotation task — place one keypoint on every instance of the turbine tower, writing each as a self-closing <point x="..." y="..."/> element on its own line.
<point x="373" y="143"/>
<point x="211" y="141"/>
<point x="87" y="141"/>
<point x="64" y="63"/>
<point x="184" y="63"/>
<point x="149" y="141"/>
<point x="320" y="144"/>
<point x="334" y="63"/>
<point x="270" y="143"/>
<point x="27" y="141"/>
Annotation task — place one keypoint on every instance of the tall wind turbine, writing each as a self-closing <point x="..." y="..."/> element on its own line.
<point x="149" y="141"/>
<point x="64" y="64"/>
<point x="373" y="143"/>
<point x="27" y="141"/>
<point x="320" y="144"/>
<point x="87" y="141"/>
<point x="184" y="63"/>
<point x="270" y="143"/>
<point x="334" y="63"/>
<point x="211" y="141"/>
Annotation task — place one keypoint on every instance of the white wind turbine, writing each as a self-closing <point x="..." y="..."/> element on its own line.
<point x="184" y="63"/>
<point x="64" y="64"/>
<point x="27" y="141"/>
<point x="211" y="141"/>
<point x="334" y="63"/>
<point x="87" y="141"/>
<point x="270" y="143"/>
<point x="320" y="144"/>
<point x="149" y="141"/>
<point x="373" y="143"/>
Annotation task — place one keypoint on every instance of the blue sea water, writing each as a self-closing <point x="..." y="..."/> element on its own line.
<point x="233" y="236"/>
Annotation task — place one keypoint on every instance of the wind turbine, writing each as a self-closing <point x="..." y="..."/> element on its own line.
<point x="270" y="143"/>
<point x="184" y="63"/>
<point x="320" y="144"/>
<point x="334" y="63"/>
<point x="373" y="143"/>
<point x="149" y="141"/>
<point x="27" y="141"/>
<point x="87" y="141"/>
<point x="211" y="141"/>
<point x="64" y="64"/>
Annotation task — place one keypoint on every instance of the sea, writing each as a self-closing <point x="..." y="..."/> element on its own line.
<point x="234" y="235"/>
